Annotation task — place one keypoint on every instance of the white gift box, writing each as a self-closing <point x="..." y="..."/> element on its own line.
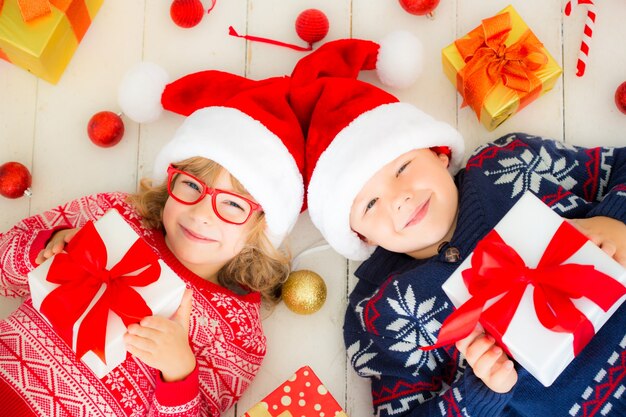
<point x="528" y="228"/>
<point x="162" y="296"/>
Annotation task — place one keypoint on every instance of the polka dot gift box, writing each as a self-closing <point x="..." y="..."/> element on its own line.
<point x="302" y="395"/>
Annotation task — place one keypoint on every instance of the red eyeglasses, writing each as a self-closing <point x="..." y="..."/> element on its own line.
<point x="229" y="207"/>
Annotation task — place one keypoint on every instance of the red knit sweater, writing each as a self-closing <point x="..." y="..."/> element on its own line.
<point x="225" y="332"/>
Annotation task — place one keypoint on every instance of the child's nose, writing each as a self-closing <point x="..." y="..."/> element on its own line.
<point x="203" y="210"/>
<point x="402" y="198"/>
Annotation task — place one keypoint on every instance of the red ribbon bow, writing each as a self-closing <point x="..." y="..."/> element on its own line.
<point x="489" y="60"/>
<point x="81" y="272"/>
<point x="497" y="269"/>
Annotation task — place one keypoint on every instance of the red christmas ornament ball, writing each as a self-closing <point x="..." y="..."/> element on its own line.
<point x="419" y="7"/>
<point x="312" y="25"/>
<point x="186" y="13"/>
<point x="620" y="97"/>
<point x="15" y="180"/>
<point x="105" y="129"/>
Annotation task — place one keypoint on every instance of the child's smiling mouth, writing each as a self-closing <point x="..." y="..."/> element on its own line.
<point x="419" y="214"/>
<point x="195" y="237"/>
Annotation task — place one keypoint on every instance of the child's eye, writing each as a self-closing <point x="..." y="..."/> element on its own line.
<point x="370" y="204"/>
<point x="193" y="186"/>
<point x="233" y="204"/>
<point x="402" y="168"/>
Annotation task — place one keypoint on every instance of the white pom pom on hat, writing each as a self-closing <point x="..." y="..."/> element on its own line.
<point x="400" y="59"/>
<point x="139" y="93"/>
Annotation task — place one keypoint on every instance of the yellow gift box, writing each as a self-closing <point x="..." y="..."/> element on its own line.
<point x="499" y="67"/>
<point x="42" y="35"/>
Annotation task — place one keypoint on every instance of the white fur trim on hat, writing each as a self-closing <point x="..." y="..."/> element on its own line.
<point x="368" y="143"/>
<point x="250" y="152"/>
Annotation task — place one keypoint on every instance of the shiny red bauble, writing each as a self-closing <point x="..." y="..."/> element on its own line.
<point x="105" y="129"/>
<point x="186" y="13"/>
<point x="620" y="97"/>
<point x="419" y="7"/>
<point x="312" y="25"/>
<point x="15" y="180"/>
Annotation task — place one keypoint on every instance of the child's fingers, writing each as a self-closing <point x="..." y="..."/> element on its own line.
<point x="608" y="247"/>
<point x="181" y="316"/>
<point x="69" y="235"/>
<point x="478" y="348"/>
<point x="144" y="332"/>
<point x="464" y="343"/>
<point x="156" y="323"/>
<point x="485" y="364"/>
<point x="141" y="343"/>
<point x="57" y="247"/>
<point x="40" y="257"/>
<point x="142" y="355"/>
<point x="504" y="377"/>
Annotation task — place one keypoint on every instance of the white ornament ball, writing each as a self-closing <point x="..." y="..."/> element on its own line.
<point x="139" y="94"/>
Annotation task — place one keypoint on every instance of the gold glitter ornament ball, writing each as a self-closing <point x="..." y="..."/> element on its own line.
<point x="304" y="292"/>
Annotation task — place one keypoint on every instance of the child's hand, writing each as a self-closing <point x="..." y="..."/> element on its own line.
<point x="488" y="361"/>
<point x="56" y="244"/>
<point x="609" y="234"/>
<point x="164" y="343"/>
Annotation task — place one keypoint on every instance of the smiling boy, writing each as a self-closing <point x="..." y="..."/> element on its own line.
<point x="385" y="186"/>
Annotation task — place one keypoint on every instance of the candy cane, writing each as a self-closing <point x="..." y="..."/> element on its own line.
<point x="583" y="52"/>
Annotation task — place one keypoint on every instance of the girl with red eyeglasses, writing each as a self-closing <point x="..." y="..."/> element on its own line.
<point x="216" y="212"/>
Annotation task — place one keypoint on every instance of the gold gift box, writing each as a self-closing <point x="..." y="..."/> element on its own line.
<point x="500" y="101"/>
<point x="45" y="44"/>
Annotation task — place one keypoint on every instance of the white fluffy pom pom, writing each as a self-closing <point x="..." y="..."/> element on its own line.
<point x="139" y="94"/>
<point x="400" y="59"/>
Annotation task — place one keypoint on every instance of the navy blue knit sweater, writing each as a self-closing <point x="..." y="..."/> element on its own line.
<point x="398" y="304"/>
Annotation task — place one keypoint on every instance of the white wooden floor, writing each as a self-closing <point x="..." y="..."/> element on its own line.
<point x="44" y="126"/>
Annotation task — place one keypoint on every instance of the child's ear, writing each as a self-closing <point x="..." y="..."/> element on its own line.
<point x="445" y="159"/>
<point x="363" y="238"/>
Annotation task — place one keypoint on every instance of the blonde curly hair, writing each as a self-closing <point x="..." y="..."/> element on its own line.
<point x="258" y="267"/>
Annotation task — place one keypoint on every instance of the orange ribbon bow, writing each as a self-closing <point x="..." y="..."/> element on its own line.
<point x="31" y="9"/>
<point x="489" y="60"/>
<point x="498" y="270"/>
<point x="81" y="271"/>
<point x="76" y="11"/>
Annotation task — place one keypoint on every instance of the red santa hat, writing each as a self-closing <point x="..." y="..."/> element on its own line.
<point x="353" y="130"/>
<point x="244" y="125"/>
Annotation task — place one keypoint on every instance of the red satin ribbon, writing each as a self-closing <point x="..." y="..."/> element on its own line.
<point x="81" y="272"/>
<point x="489" y="60"/>
<point x="497" y="269"/>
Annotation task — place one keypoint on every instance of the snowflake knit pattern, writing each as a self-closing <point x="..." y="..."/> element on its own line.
<point x="38" y="366"/>
<point x="398" y="304"/>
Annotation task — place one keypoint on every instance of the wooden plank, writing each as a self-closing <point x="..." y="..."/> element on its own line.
<point x="431" y="92"/>
<point x="295" y="340"/>
<point x="265" y="60"/>
<point x="183" y="51"/>
<point x="591" y="117"/>
<point x="68" y="164"/>
<point x="18" y="90"/>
